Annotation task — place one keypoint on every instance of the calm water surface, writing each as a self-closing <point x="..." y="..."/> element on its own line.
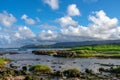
<point x="26" y="58"/>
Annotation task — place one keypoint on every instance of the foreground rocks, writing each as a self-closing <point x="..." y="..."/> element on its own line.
<point x="44" y="72"/>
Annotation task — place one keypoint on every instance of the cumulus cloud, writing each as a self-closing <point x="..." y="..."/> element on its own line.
<point x="29" y="21"/>
<point x="17" y="37"/>
<point x="47" y="35"/>
<point x="67" y="21"/>
<point x="102" y="27"/>
<point x="54" y="4"/>
<point x="47" y="27"/>
<point x="7" y="19"/>
<point x="75" y="31"/>
<point x="24" y="32"/>
<point x="72" y="10"/>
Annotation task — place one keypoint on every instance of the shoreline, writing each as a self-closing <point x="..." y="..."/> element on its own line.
<point x="44" y="72"/>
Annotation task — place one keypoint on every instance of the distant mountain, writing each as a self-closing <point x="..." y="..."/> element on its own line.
<point x="36" y="46"/>
<point x="73" y="44"/>
<point x="87" y="43"/>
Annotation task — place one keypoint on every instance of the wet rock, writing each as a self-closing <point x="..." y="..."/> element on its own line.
<point x="13" y="53"/>
<point x="89" y="71"/>
<point x="66" y="54"/>
<point x="101" y="70"/>
<point x="54" y="62"/>
<point x="24" y="68"/>
<point x="13" y="66"/>
<point x="74" y="62"/>
<point x="54" y="70"/>
<point x="60" y="67"/>
<point x="53" y="66"/>
<point x="44" y="52"/>
<point x="48" y="60"/>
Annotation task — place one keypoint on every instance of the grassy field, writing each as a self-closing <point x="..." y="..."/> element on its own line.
<point x="103" y="51"/>
<point x="109" y="47"/>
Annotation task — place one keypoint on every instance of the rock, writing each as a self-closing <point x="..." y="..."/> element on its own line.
<point x="12" y="66"/>
<point x="13" y="53"/>
<point x="44" y="52"/>
<point x="24" y="68"/>
<point x="19" y="78"/>
<point x="65" y="54"/>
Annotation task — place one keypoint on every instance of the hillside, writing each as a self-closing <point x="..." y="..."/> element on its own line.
<point x="72" y="44"/>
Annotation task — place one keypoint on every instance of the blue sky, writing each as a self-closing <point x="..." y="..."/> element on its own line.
<point x="49" y="21"/>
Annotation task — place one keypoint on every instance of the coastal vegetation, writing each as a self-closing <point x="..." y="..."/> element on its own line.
<point x="100" y="51"/>
<point x="40" y="69"/>
<point x="3" y="62"/>
<point x="45" y="72"/>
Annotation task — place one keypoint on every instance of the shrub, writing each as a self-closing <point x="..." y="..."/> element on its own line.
<point x="3" y="61"/>
<point x="72" y="73"/>
<point x="40" y="69"/>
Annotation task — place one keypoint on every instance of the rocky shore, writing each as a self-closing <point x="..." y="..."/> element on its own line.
<point x="44" y="72"/>
<point x="8" y="71"/>
<point x="77" y="54"/>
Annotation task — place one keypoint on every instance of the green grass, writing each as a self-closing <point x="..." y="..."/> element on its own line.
<point x="40" y="69"/>
<point x="103" y="51"/>
<point x="3" y="61"/>
<point x="109" y="47"/>
<point x="99" y="55"/>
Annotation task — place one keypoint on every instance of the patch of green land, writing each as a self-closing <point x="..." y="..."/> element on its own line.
<point x="3" y="61"/>
<point x="103" y="51"/>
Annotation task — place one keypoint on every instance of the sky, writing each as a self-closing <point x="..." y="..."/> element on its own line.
<point x="24" y="22"/>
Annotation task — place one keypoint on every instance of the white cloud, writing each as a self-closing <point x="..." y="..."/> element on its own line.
<point x="102" y="27"/>
<point x="102" y="20"/>
<point x="7" y="19"/>
<point x="73" y="10"/>
<point x="47" y="35"/>
<point x="54" y="4"/>
<point x="17" y="37"/>
<point x="75" y="31"/>
<point x="24" y="32"/>
<point x="47" y="27"/>
<point x="67" y="21"/>
<point x="29" y="21"/>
